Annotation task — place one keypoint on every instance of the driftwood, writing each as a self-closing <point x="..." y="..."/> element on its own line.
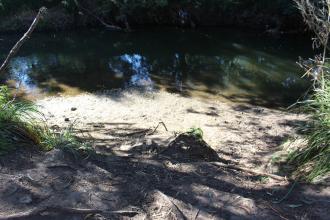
<point x="25" y="37"/>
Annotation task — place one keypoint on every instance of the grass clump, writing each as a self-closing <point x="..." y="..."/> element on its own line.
<point x="21" y="125"/>
<point x="196" y="132"/>
<point x="67" y="141"/>
<point x="17" y="124"/>
<point x="315" y="157"/>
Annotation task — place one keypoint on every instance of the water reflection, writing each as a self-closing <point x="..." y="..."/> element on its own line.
<point x="20" y="70"/>
<point x="140" y="70"/>
<point x="237" y="67"/>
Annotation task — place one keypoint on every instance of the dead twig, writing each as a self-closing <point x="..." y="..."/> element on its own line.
<point x="287" y="194"/>
<point x="197" y="213"/>
<point x="63" y="166"/>
<point x="160" y="123"/>
<point x="277" y="212"/>
<point x="26" y="36"/>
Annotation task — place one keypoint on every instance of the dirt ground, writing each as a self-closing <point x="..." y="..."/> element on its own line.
<point x="147" y="172"/>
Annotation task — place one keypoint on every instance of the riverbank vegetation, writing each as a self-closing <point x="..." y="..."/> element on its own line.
<point x="22" y="126"/>
<point x="273" y="16"/>
<point x="314" y="159"/>
<point x="16" y="123"/>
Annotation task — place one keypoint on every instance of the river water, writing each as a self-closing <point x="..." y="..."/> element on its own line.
<point x="236" y="65"/>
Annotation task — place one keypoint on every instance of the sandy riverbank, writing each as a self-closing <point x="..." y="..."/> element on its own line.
<point x="241" y="132"/>
<point x="134" y="177"/>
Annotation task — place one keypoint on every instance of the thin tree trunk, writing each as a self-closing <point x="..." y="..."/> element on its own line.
<point x="25" y="37"/>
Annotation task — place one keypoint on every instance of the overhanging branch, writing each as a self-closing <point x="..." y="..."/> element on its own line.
<point x="25" y="37"/>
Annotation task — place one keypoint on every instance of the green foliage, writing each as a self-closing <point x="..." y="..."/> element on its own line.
<point x="150" y="7"/>
<point x="16" y="122"/>
<point x="317" y="153"/>
<point x="196" y="132"/>
<point x="21" y="126"/>
<point x="14" y="6"/>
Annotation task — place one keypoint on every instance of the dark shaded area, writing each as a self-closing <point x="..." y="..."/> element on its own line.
<point x="300" y="126"/>
<point x="186" y="148"/>
<point x="128" y="183"/>
<point x="274" y="16"/>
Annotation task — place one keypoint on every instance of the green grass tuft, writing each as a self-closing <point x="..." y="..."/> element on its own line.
<point x="67" y="141"/>
<point x="196" y="132"/>
<point x="21" y="125"/>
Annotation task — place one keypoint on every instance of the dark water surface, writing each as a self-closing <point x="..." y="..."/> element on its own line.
<point x="237" y="65"/>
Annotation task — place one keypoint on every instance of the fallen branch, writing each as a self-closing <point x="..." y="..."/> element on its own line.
<point x="63" y="166"/>
<point x="233" y="167"/>
<point x="39" y="210"/>
<point x="109" y="26"/>
<point x="20" y="43"/>
<point x="57" y="209"/>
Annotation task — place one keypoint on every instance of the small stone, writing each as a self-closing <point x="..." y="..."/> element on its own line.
<point x="67" y="119"/>
<point x="73" y="109"/>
